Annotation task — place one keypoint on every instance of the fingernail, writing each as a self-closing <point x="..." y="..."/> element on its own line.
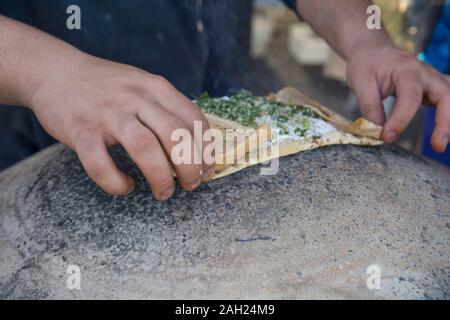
<point x="194" y="185"/>
<point x="445" y="142"/>
<point x="167" y="194"/>
<point x="132" y="186"/>
<point x="391" y="136"/>
<point x="131" y="189"/>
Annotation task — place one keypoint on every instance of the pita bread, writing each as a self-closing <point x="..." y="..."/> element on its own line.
<point x="359" y="132"/>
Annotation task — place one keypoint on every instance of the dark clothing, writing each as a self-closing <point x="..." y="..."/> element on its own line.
<point x="198" y="45"/>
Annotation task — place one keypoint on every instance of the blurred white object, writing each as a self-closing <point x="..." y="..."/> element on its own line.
<point x="388" y="105"/>
<point x="335" y="68"/>
<point x="305" y="47"/>
<point x="262" y="30"/>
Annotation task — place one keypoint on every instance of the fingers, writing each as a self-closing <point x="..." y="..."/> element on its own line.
<point x="409" y="90"/>
<point x="99" y="166"/>
<point x="441" y="133"/>
<point x="146" y="151"/>
<point x="164" y="124"/>
<point x="183" y="108"/>
<point x="369" y="100"/>
<point x="438" y="92"/>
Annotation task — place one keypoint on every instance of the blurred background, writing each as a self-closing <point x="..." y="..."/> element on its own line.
<point x="285" y="51"/>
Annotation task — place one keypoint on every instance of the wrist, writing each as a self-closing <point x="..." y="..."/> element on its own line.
<point x="55" y="70"/>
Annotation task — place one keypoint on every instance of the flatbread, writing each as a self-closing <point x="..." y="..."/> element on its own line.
<point x="359" y="132"/>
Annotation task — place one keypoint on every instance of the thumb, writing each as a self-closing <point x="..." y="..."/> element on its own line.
<point x="369" y="100"/>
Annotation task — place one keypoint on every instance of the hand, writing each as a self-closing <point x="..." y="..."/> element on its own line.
<point x="375" y="73"/>
<point x="93" y="104"/>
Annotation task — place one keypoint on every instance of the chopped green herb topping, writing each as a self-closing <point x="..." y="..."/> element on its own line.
<point x="245" y="108"/>
<point x="301" y="131"/>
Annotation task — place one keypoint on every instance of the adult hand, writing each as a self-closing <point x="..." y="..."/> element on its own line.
<point x="376" y="73"/>
<point x="91" y="104"/>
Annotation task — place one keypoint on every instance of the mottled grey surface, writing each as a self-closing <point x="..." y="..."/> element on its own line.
<point x="309" y="232"/>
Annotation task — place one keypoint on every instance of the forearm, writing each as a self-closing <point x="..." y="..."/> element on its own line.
<point x="342" y="23"/>
<point x="27" y="57"/>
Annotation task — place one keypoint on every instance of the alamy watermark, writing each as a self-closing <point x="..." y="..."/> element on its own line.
<point x="74" y="279"/>
<point x="226" y="147"/>
<point x="73" y="22"/>
<point x="374" y="279"/>
<point x="373" y="22"/>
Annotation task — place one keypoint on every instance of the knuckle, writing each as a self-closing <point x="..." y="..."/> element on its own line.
<point x="439" y="93"/>
<point x="196" y="118"/>
<point x="142" y="142"/>
<point x="368" y="109"/>
<point x="409" y="61"/>
<point x="85" y="141"/>
<point x="174" y="123"/>
<point x="415" y="94"/>
<point x="96" y="170"/>
<point x="127" y="125"/>
<point x="444" y="90"/>
<point x="409" y="75"/>
<point x="408" y="70"/>
<point x="442" y="122"/>
<point x="442" y="82"/>
<point x="412" y="62"/>
<point x="431" y="70"/>
<point x="159" y="81"/>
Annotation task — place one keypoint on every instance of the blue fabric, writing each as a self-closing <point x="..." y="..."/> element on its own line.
<point x="437" y="53"/>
